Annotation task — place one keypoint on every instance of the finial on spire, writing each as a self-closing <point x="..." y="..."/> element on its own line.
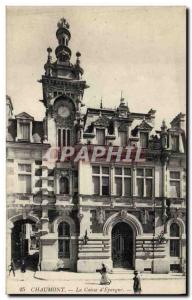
<point x="78" y="54"/>
<point x="163" y="126"/>
<point x="63" y="23"/>
<point x="101" y="103"/>
<point x="122" y="100"/>
<point x="49" y="50"/>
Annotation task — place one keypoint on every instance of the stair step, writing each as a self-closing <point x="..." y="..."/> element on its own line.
<point x="90" y="249"/>
<point x="90" y="242"/>
<point x="90" y="246"/>
<point x="94" y="255"/>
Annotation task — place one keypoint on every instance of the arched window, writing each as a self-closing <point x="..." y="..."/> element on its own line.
<point x="64" y="185"/>
<point x="174" y="240"/>
<point x="63" y="229"/>
<point x="63" y="137"/>
<point x="174" y="230"/>
<point x="64" y="240"/>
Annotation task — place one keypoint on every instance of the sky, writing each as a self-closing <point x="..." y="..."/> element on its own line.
<point x="138" y="50"/>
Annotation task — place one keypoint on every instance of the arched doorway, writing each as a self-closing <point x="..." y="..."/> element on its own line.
<point x="122" y="246"/>
<point x="24" y="244"/>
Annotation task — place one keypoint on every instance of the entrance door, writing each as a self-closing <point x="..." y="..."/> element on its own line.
<point x="122" y="246"/>
<point x="23" y="245"/>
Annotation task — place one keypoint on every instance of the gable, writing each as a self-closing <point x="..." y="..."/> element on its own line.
<point x="24" y="116"/>
<point x="102" y="121"/>
<point x="144" y="126"/>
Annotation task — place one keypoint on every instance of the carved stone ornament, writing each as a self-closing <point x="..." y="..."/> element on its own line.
<point x="102" y="121"/>
<point x="80" y="215"/>
<point x="63" y="122"/>
<point x="123" y="127"/>
<point x="100" y="216"/>
<point x="123" y="213"/>
<point x="144" y="126"/>
<point x="144" y="215"/>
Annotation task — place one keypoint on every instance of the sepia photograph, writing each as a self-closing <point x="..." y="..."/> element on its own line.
<point x="96" y="144"/>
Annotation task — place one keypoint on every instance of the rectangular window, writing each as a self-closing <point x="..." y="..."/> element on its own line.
<point x="63" y="137"/>
<point x="100" y="136"/>
<point x="96" y="170"/>
<point x="24" y="168"/>
<point x="127" y="187"/>
<point x="59" y="137"/>
<point x="144" y="139"/>
<point x="123" y="138"/>
<point x="174" y="175"/>
<point x="118" y="171"/>
<point x="175" y="184"/>
<point x="123" y="181"/>
<point x="140" y="187"/>
<point x="144" y="182"/>
<point x="64" y="248"/>
<point x="24" y="178"/>
<point x="105" y="170"/>
<point x="68" y="137"/>
<point x="24" y="184"/>
<point x="127" y="171"/>
<point x="100" y="180"/>
<point x="175" y="247"/>
<point x="175" y="189"/>
<point x="175" y="142"/>
<point x="148" y="187"/>
<point x="118" y="186"/>
<point x="140" y="172"/>
<point x="96" y="185"/>
<point x="105" y="186"/>
<point x="25" y="131"/>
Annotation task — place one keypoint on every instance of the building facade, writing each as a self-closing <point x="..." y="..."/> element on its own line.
<point x="78" y="212"/>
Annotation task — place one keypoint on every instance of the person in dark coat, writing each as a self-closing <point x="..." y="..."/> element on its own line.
<point x="12" y="268"/>
<point x="104" y="277"/>
<point x="23" y="266"/>
<point x="85" y="239"/>
<point x="136" y="283"/>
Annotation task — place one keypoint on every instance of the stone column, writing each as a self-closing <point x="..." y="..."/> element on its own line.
<point x="10" y="226"/>
<point x="134" y="182"/>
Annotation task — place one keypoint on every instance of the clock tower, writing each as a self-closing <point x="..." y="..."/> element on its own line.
<point x="63" y="89"/>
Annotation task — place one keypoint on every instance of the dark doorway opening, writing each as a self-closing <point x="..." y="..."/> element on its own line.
<point x="25" y="244"/>
<point x="122" y="246"/>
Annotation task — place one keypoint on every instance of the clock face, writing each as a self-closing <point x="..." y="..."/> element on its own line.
<point x="63" y="111"/>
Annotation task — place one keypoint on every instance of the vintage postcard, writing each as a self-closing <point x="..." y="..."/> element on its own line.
<point x="96" y="150"/>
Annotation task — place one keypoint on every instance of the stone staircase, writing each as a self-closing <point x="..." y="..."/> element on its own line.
<point x="94" y="248"/>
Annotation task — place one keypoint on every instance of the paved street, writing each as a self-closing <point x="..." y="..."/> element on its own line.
<point x="88" y="283"/>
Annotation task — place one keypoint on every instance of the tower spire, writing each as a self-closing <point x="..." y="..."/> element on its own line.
<point x="63" y="52"/>
<point x="101" y="103"/>
<point x="122" y="100"/>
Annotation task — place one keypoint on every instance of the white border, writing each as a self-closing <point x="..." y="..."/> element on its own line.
<point x="3" y="4"/>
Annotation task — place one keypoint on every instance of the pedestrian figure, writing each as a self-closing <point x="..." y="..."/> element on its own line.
<point x="136" y="283"/>
<point x="104" y="277"/>
<point x="85" y="239"/>
<point x="12" y="268"/>
<point x="36" y="269"/>
<point x="23" y="266"/>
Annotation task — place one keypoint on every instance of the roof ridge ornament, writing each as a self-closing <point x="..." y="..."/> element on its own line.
<point x="63" y="23"/>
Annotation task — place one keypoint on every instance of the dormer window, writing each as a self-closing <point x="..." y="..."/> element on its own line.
<point x="144" y="139"/>
<point x="123" y="138"/>
<point x="24" y="127"/>
<point x="100" y="136"/>
<point x="175" y="142"/>
<point x="25" y="131"/>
